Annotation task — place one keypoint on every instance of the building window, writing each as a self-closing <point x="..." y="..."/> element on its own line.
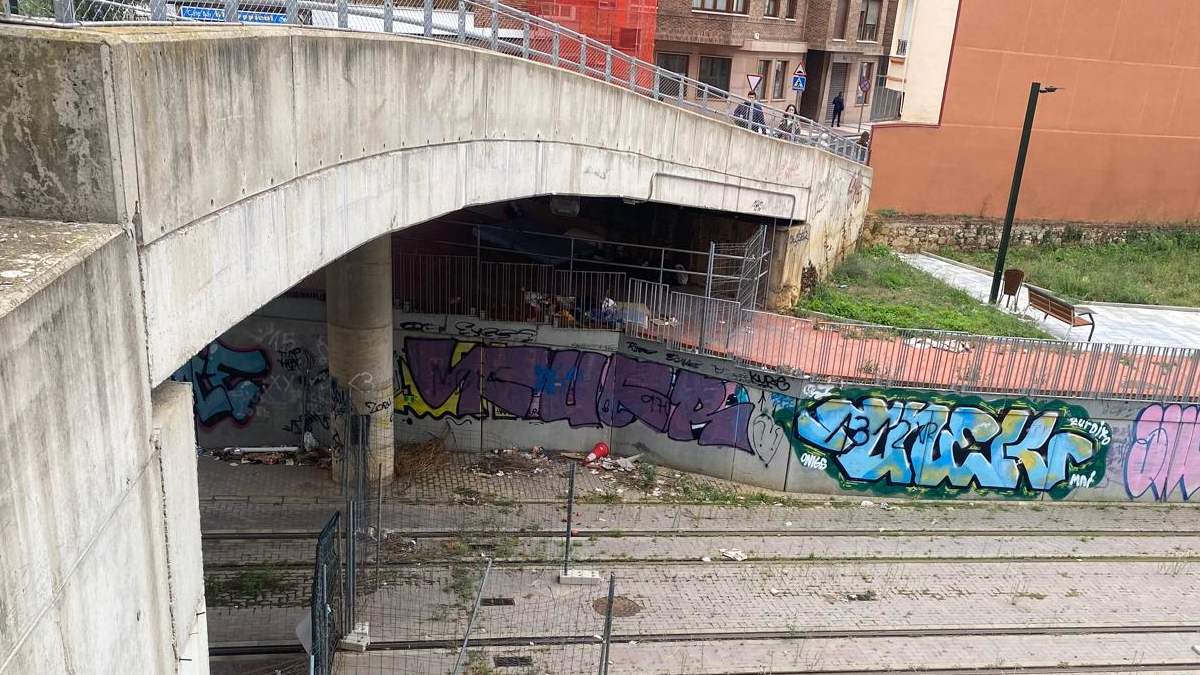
<point x="676" y="63"/>
<point x="868" y="21"/>
<point x="779" y="84"/>
<point x="839" y="19"/>
<point x="772" y="8"/>
<point x="862" y="93"/>
<point x="714" y="71"/>
<point x="906" y="28"/>
<point x="764" y="76"/>
<point x="731" y="6"/>
<point x="791" y="9"/>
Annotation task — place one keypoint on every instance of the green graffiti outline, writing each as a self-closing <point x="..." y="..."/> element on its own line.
<point x="1094" y="467"/>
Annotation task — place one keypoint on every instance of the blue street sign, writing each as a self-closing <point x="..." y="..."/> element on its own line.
<point x="799" y="82"/>
<point x="218" y="14"/>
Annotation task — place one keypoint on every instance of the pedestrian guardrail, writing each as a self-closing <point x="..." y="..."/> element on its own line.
<point x="486" y="25"/>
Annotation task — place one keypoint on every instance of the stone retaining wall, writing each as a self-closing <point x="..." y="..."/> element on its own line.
<point x="967" y="233"/>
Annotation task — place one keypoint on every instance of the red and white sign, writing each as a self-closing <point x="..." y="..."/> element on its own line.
<point x="799" y="70"/>
<point x="754" y="80"/>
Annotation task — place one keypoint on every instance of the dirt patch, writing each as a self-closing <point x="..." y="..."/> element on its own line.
<point x="622" y="606"/>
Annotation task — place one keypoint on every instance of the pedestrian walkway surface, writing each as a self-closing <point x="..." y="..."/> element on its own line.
<point x="827" y="585"/>
<point x="1115" y="323"/>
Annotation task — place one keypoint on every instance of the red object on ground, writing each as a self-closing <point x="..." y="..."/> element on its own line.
<point x="598" y="450"/>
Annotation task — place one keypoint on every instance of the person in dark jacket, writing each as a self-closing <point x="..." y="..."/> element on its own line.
<point x="839" y="104"/>
<point x="749" y="115"/>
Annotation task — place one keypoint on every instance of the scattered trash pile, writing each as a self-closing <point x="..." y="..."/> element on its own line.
<point x="309" y="454"/>
<point x="511" y="462"/>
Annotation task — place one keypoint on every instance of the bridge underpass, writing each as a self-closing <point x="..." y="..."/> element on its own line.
<point x="224" y="165"/>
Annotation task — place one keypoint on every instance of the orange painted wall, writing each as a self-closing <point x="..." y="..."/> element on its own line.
<point x="1121" y="143"/>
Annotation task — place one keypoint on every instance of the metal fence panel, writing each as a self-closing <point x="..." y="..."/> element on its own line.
<point x="326" y="601"/>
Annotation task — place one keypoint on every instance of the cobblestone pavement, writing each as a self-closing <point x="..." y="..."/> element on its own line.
<point x="816" y="564"/>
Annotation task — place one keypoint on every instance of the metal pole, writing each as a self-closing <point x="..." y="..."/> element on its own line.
<point x="570" y="513"/>
<point x="389" y="9"/>
<point x="662" y="263"/>
<point x="1006" y="234"/>
<point x="231" y="11"/>
<point x="343" y="14"/>
<point x="378" y="525"/>
<point x="478" y="276"/>
<point x="525" y="40"/>
<point x="462" y="651"/>
<point x="712" y="252"/>
<point x="495" y="25"/>
<point x="293" y="17"/>
<point x="428" y="21"/>
<point x="158" y="10"/>
<point x="554" y="49"/>
<point x="571" y="263"/>
<point x="462" y="21"/>
<point x="608" y="614"/>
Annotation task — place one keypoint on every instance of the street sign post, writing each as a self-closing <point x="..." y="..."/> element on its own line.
<point x="799" y="78"/>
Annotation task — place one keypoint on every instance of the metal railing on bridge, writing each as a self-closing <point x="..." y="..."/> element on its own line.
<point x="818" y="350"/>
<point x="487" y="25"/>
<point x="849" y="354"/>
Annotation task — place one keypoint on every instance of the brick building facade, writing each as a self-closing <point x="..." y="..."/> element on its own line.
<point x="722" y="42"/>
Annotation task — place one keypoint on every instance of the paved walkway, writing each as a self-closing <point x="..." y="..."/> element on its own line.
<point x="1123" y="324"/>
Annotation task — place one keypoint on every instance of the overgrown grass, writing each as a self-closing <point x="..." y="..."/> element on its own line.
<point x="1156" y="268"/>
<point x="876" y="286"/>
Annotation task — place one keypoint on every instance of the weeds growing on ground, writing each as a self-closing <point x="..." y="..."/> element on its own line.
<point x="1157" y="268"/>
<point x="876" y="286"/>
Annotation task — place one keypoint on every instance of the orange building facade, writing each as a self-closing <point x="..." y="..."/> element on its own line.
<point x="1119" y="143"/>
<point x="627" y="25"/>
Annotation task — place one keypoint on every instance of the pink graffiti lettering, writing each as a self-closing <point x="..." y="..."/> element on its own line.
<point x="1165" y="452"/>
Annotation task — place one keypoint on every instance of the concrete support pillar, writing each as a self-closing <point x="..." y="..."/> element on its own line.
<point x="358" y="289"/>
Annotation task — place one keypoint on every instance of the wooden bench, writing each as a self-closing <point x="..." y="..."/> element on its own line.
<point x="1050" y="305"/>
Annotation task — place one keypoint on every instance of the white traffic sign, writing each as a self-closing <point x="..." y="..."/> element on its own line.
<point x="799" y="70"/>
<point x="754" y="80"/>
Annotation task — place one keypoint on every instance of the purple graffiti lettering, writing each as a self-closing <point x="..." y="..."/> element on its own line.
<point x="510" y="377"/>
<point x="702" y="413"/>
<point x="570" y="388"/>
<point x="437" y="379"/>
<point x="639" y="391"/>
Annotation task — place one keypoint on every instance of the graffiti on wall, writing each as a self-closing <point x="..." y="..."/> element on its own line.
<point x="446" y="378"/>
<point x="1164" y="452"/>
<point x="941" y="446"/>
<point x="226" y="382"/>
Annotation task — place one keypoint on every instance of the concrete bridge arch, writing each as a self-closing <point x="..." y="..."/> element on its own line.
<point x="171" y="180"/>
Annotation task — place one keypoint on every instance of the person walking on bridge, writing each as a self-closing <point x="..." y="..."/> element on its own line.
<point x="749" y="115"/>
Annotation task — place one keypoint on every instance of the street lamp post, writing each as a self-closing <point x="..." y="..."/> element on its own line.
<point x="1035" y="88"/>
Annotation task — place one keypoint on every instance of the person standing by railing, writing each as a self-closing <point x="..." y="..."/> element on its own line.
<point x="749" y="115"/>
<point x="790" y="125"/>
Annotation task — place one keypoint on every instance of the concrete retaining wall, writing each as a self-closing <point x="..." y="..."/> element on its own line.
<point x="83" y="572"/>
<point x="481" y="385"/>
